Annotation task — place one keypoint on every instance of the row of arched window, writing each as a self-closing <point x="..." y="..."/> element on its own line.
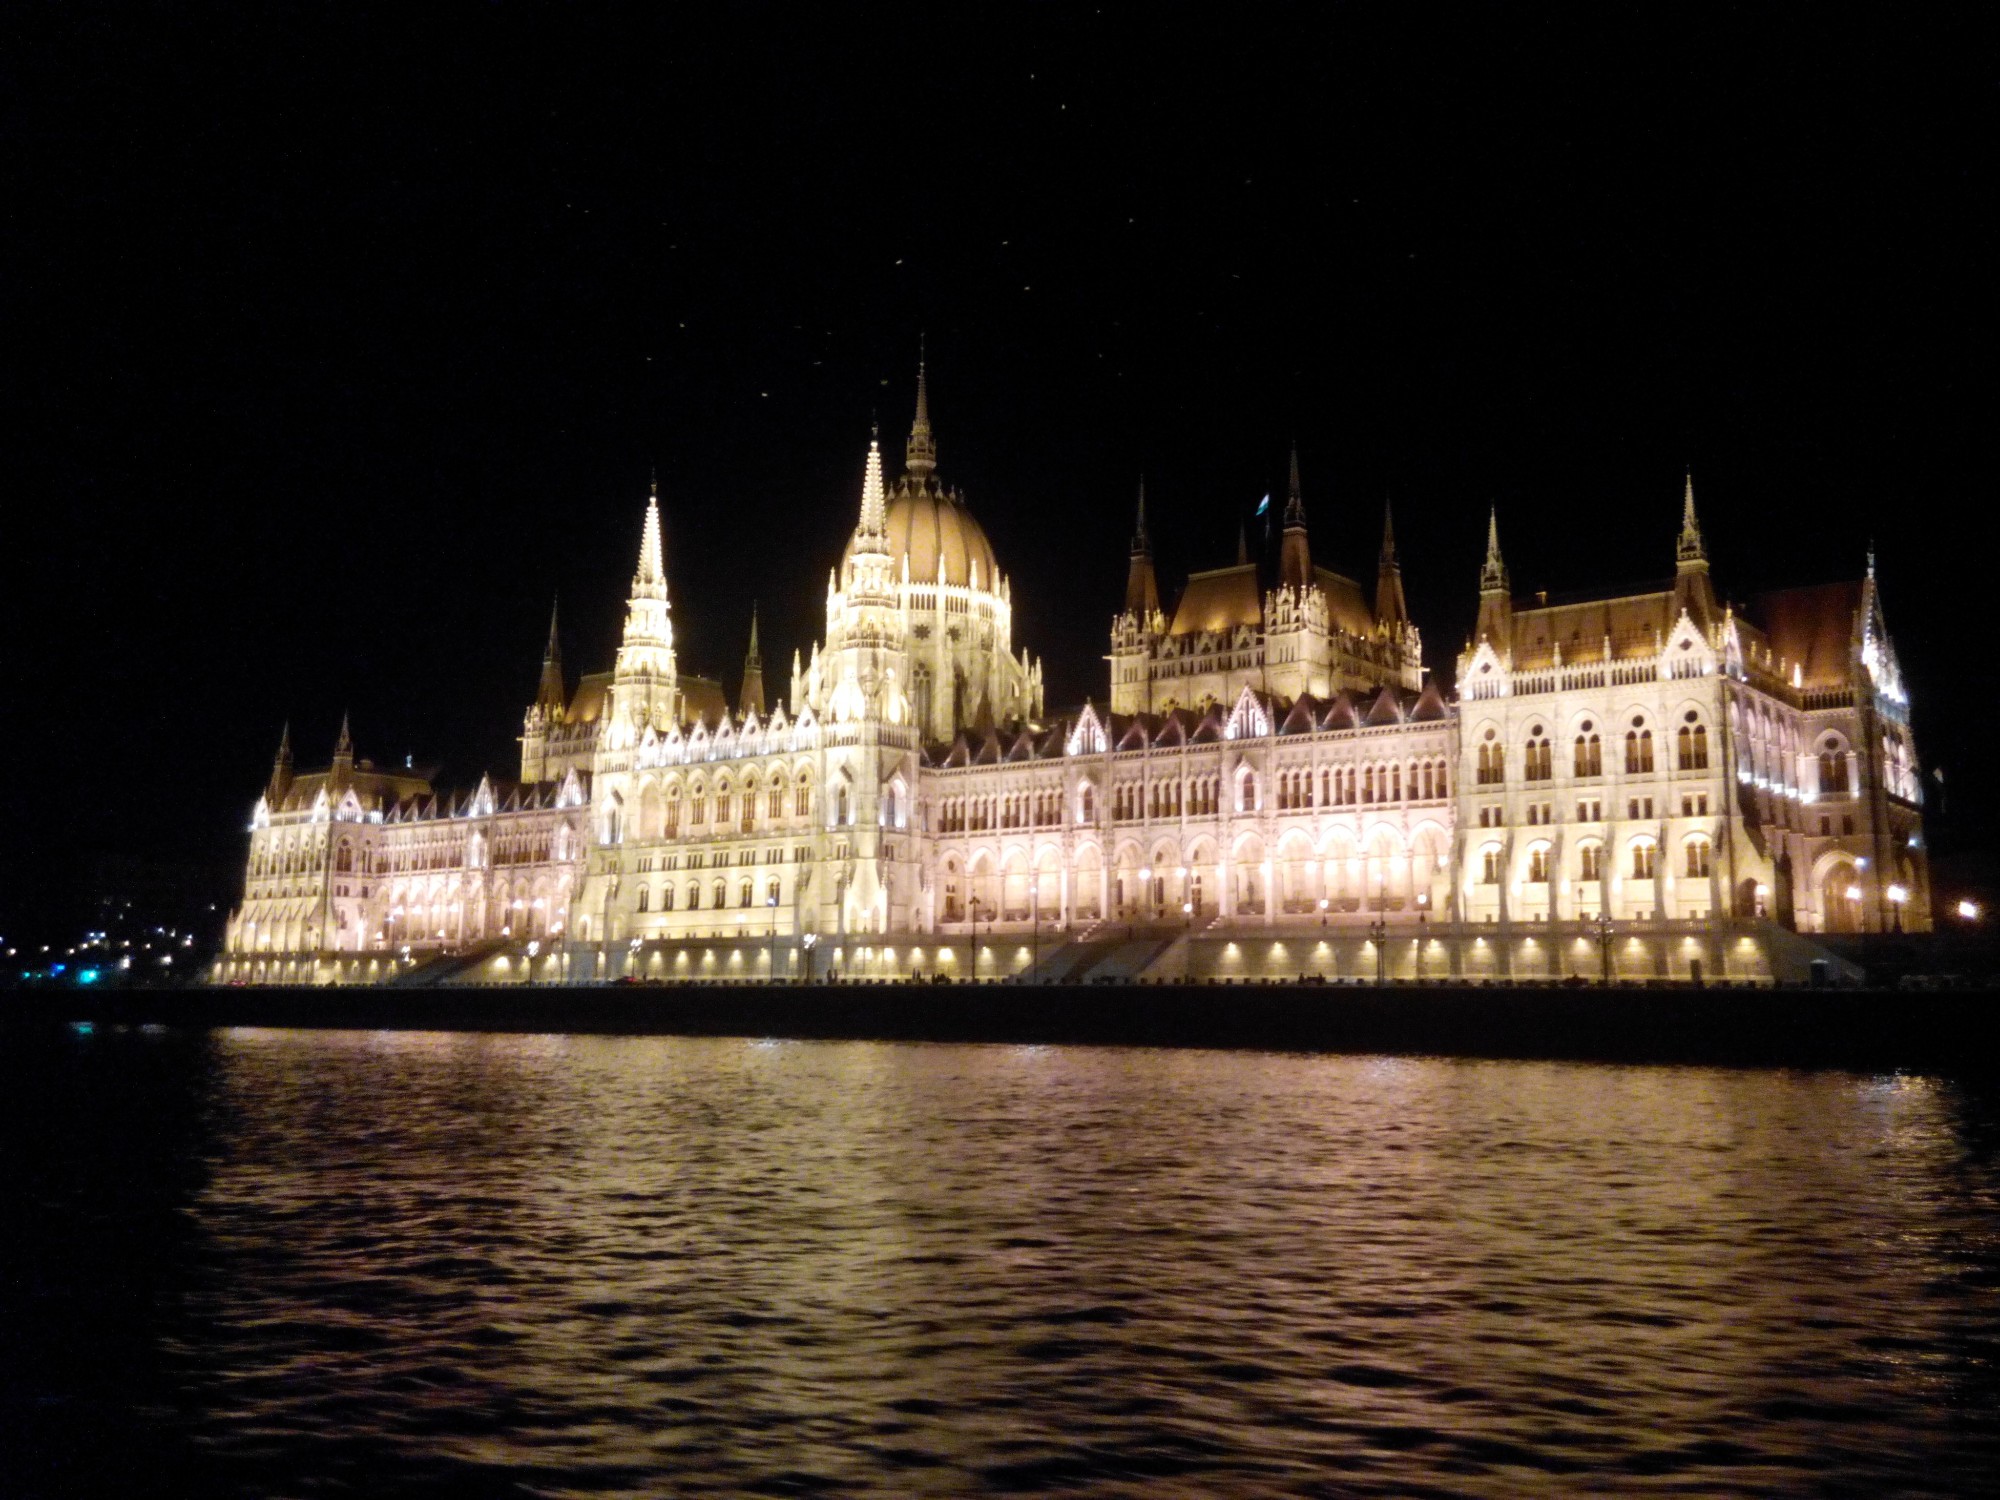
<point x="746" y="895"/>
<point x="1587" y="752"/>
<point x="1041" y="808"/>
<point x="1697" y="859"/>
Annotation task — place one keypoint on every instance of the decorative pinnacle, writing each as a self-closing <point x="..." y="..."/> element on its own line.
<point x="554" y="649"/>
<point x="345" y="744"/>
<point x="921" y="456"/>
<point x="1689" y="549"/>
<point x="1140" y="544"/>
<point x="285" y="741"/>
<point x="1388" y="535"/>
<point x="874" y="508"/>
<point x="752" y="654"/>
<point x="651" y="579"/>
<point x="1295" y="505"/>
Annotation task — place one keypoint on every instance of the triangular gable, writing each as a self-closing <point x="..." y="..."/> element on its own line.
<point x="1209" y="730"/>
<point x="1135" y="737"/>
<point x="1249" y="719"/>
<point x="1172" y="732"/>
<point x="960" y="753"/>
<point x="1087" y="736"/>
<point x="1430" y="706"/>
<point x="1023" y="747"/>
<point x="989" y="750"/>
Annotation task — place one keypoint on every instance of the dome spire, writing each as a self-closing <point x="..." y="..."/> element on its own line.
<point x="650" y="582"/>
<point x="921" y="455"/>
<point x="1493" y="575"/>
<point x="874" y="510"/>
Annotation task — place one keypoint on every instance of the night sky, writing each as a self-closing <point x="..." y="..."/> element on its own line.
<point x="340" y="341"/>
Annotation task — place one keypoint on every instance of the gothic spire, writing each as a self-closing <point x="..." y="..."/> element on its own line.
<point x="921" y="455"/>
<point x="1493" y="576"/>
<point x="751" y="699"/>
<point x="281" y="767"/>
<point x="650" y="582"/>
<point x="1142" y="587"/>
<point x="343" y="748"/>
<point x="1295" y="505"/>
<point x="1690" y="549"/>
<point x="1294" y="556"/>
<point x="549" y="697"/>
<point x="874" y="507"/>
<point x="1391" y="607"/>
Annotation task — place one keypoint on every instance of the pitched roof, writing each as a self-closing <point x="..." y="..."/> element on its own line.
<point x="1219" y="599"/>
<point x="1812" y="628"/>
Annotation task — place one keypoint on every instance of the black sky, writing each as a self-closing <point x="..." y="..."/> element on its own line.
<point x="340" y="340"/>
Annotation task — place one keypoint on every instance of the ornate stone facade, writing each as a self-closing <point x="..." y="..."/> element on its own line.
<point x="1656" y="783"/>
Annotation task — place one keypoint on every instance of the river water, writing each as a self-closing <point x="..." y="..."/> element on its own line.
<point x="316" y="1263"/>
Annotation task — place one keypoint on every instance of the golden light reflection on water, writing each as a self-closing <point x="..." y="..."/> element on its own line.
<point x="721" y="1266"/>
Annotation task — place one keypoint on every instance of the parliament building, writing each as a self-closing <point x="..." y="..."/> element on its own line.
<point x="1640" y="786"/>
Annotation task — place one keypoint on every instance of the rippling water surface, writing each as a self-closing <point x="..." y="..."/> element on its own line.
<point x="319" y="1263"/>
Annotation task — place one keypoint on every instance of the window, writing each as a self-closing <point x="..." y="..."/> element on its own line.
<point x="1589" y="751"/>
<point x="1697" y="858"/>
<point x="1832" y="770"/>
<point x="1638" y="749"/>
<point x="1693" y="743"/>
<point x="666" y="898"/>
<point x="1643" y="854"/>
<point x="743" y="894"/>
<point x="1537" y="765"/>
<point x="1538" y="865"/>
<point x="645" y="899"/>
<point x="721" y="895"/>
<point x="1492" y="762"/>
<point x="1489" y="866"/>
<point x="1590" y="862"/>
<point x="1086" y="804"/>
<point x="694" y="896"/>
<point x="1246" y="792"/>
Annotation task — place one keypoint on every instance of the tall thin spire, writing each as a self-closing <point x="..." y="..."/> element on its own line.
<point x="921" y="456"/>
<point x="1493" y="575"/>
<point x="1142" y="586"/>
<point x="1242" y="543"/>
<point x="343" y="748"/>
<point x="1295" y="505"/>
<point x="874" y="507"/>
<point x="1294" y="556"/>
<point x="550" y="697"/>
<point x="1690" y="548"/>
<point x="650" y="582"/>
<point x="281" y="767"/>
<point x="1391" y="608"/>
<point x="751" y="699"/>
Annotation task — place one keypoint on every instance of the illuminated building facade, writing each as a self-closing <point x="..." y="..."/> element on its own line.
<point x="1654" y="784"/>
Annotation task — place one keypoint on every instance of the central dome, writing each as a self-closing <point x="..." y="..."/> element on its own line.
<point x="928" y="523"/>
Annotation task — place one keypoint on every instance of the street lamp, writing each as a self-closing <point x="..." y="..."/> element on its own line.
<point x="1322" y="913"/>
<point x="1604" y="931"/>
<point x="1897" y="896"/>
<point x="771" y="901"/>
<point x="1423" y="918"/>
<point x="979" y="907"/>
<point x="1378" y="933"/>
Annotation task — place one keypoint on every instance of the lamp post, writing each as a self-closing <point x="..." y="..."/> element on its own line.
<point x="1604" y="930"/>
<point x="1378" y="933"/>
<point x="771" y="901"/>
<point x="1897" y="896"/>
<point x="978" y="907"/>
<point x="1423" y="918"/>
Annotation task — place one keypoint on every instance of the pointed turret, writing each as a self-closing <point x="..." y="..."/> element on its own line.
<point x="343" y="752"/>
<point x="549" y="697"/>
<point x="281" y="767"/>
<point x="921" y="455"/>
<point x="1694" y="593"/>
<point x="1242" y="543"/>
<point x="1142" y="586"/>
<point x="1392" y="610"/>
<point x="1295" y="557"/>
<point x="1496" y="602"/>
<point x="645" y="677"/>
<point x="650" y="581"/>
<point x="874" y="509"/>
<point x="751" y="699"/>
